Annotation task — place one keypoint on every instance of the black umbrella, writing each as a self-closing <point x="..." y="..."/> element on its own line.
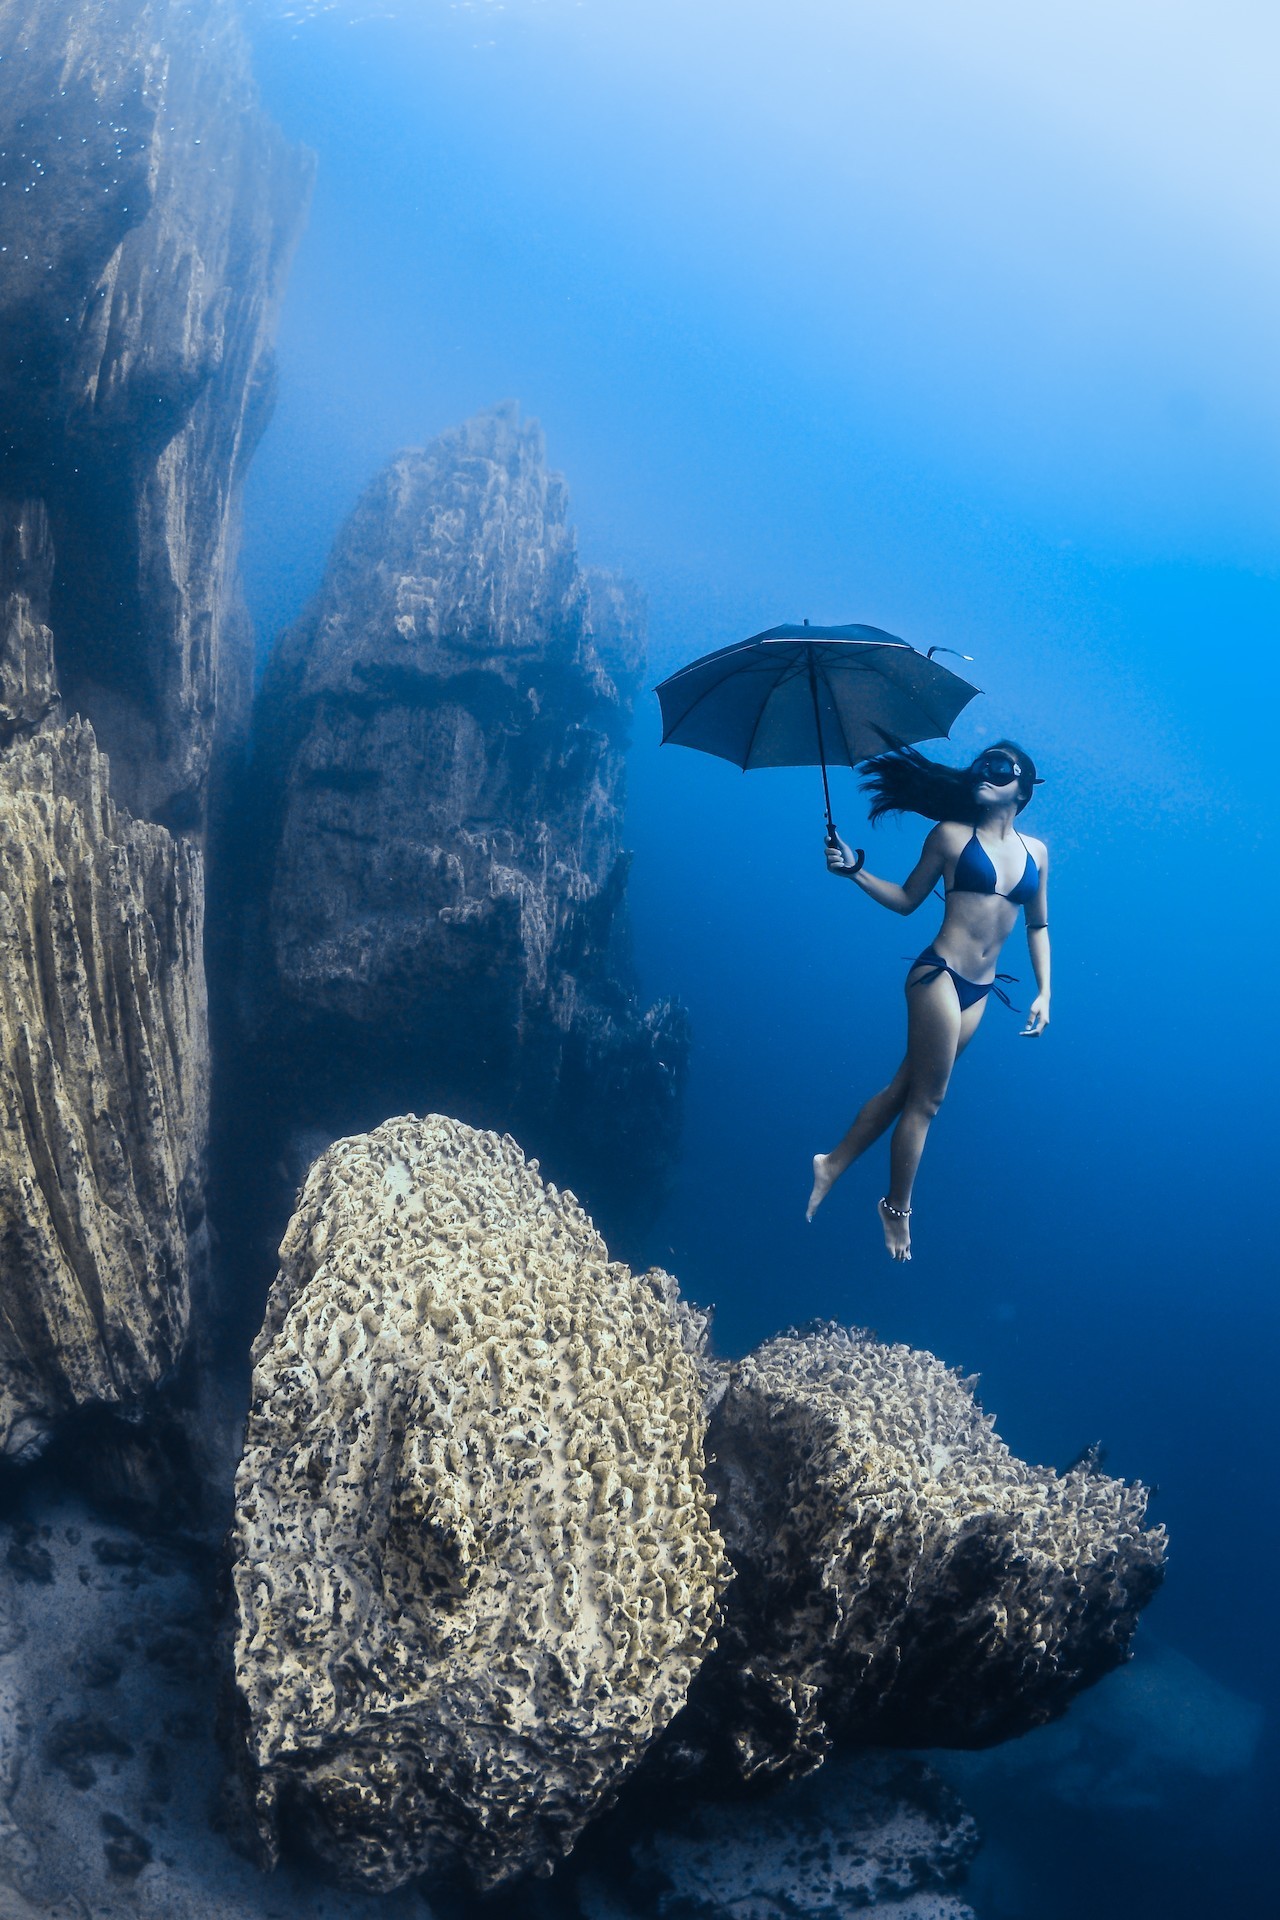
<point x="804" y="696"/>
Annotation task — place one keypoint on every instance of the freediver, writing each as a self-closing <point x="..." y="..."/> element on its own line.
<point x="988" y="870"/>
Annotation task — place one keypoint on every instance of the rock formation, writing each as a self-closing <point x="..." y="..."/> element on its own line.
<point x="475" y="1574"/>
<point x="902" y="1578"/>
<point x="442" y="742"/>
<point x="146" y="213"/>
<point x="146" y="216"/>
<point x="474" y="1566"/>
<point x="28" y="678"/>
<point x="103" y="1087"/>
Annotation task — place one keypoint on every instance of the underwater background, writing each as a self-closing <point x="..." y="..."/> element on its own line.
<point x="959" y="322"/>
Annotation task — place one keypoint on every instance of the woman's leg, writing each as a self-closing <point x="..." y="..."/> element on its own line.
<point x="879" y="1113"/>
<point x="936" y="1032"/>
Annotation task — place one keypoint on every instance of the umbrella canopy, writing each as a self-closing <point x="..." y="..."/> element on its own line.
<point x="807" y="696"/>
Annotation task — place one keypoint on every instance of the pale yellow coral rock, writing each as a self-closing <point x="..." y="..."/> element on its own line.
<point x="903" y="1578"/>
<point x="474" y="1562"/>
<point x="104" y="1067"/>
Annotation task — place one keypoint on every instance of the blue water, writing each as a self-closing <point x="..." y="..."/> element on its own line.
<point x="959" y="322"/>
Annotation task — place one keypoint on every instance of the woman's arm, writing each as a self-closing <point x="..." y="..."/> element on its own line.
<point x="1038" y="948"/>
<point x="917" y="886"/>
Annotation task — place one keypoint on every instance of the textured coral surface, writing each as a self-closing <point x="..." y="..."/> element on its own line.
<point x="902" y="1577"/>
<point x="474" y="1562"/>
<point x="104" y="1065"/>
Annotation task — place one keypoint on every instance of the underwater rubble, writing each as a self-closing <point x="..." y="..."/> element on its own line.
<point x="109" y="1771"/>
<point x="873" y="1830"/>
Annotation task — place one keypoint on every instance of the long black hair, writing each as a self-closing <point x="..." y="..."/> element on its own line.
<point x="903" y="780"/>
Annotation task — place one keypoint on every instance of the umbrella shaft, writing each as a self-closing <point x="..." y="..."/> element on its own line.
<point x="822" y="756"/>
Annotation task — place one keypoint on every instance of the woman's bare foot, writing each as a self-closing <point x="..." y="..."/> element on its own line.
<point x="824" y="1178"/>
<point x="897" y="1232"/>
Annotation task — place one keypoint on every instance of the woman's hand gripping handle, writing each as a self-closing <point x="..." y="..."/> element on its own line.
<point x="841" y="857"/>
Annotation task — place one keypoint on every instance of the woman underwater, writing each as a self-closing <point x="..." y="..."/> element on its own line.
<point x="988" y="870"/>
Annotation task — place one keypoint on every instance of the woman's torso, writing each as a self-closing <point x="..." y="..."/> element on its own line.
<point x="986" y="881"/>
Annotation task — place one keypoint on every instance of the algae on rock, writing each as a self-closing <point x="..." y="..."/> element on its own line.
<point x="474" y="1564"/>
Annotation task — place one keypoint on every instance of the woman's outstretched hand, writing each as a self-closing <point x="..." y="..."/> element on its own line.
<point x="841" y="858"/>
<point x="1037" y="1019"/>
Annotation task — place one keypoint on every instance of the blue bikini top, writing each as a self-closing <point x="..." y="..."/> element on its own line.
<point x="975" y="874"/>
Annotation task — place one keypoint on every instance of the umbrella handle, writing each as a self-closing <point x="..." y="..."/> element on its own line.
<point x="859" y="853"/>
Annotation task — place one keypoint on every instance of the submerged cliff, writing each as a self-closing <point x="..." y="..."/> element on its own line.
<point x="441" y="744"/>
<point x="146" y="213"/>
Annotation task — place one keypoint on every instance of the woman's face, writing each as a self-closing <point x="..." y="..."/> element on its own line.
<point x="996" y="775"/>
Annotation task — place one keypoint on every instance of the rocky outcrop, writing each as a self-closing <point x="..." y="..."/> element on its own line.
<point x="147" y="209"/>
<point x="476" y="1575"/>
<point x="474" y="1565"/>
<point x="442" y="742"/>
<point x="146" y="215"/>
<point x="103" y="1088"/>
<point x="902" y="1578"/>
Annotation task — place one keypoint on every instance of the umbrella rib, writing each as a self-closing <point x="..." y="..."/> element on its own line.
<point x="699" y="698"/>
<point x="746" y="758"/>
<point x="839" y="718"/>
<point x="791" y="672"/>
<point x="709" y="690"/>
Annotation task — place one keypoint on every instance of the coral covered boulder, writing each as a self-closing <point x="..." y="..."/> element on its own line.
<point x="902" y="1578"/>
<point x="474" y="1564"/>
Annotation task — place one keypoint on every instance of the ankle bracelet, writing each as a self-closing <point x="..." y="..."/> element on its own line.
<point x="899" y="1213"/>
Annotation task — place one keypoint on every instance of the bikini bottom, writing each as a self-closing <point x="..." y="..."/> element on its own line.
<point x="968" y="992"/>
